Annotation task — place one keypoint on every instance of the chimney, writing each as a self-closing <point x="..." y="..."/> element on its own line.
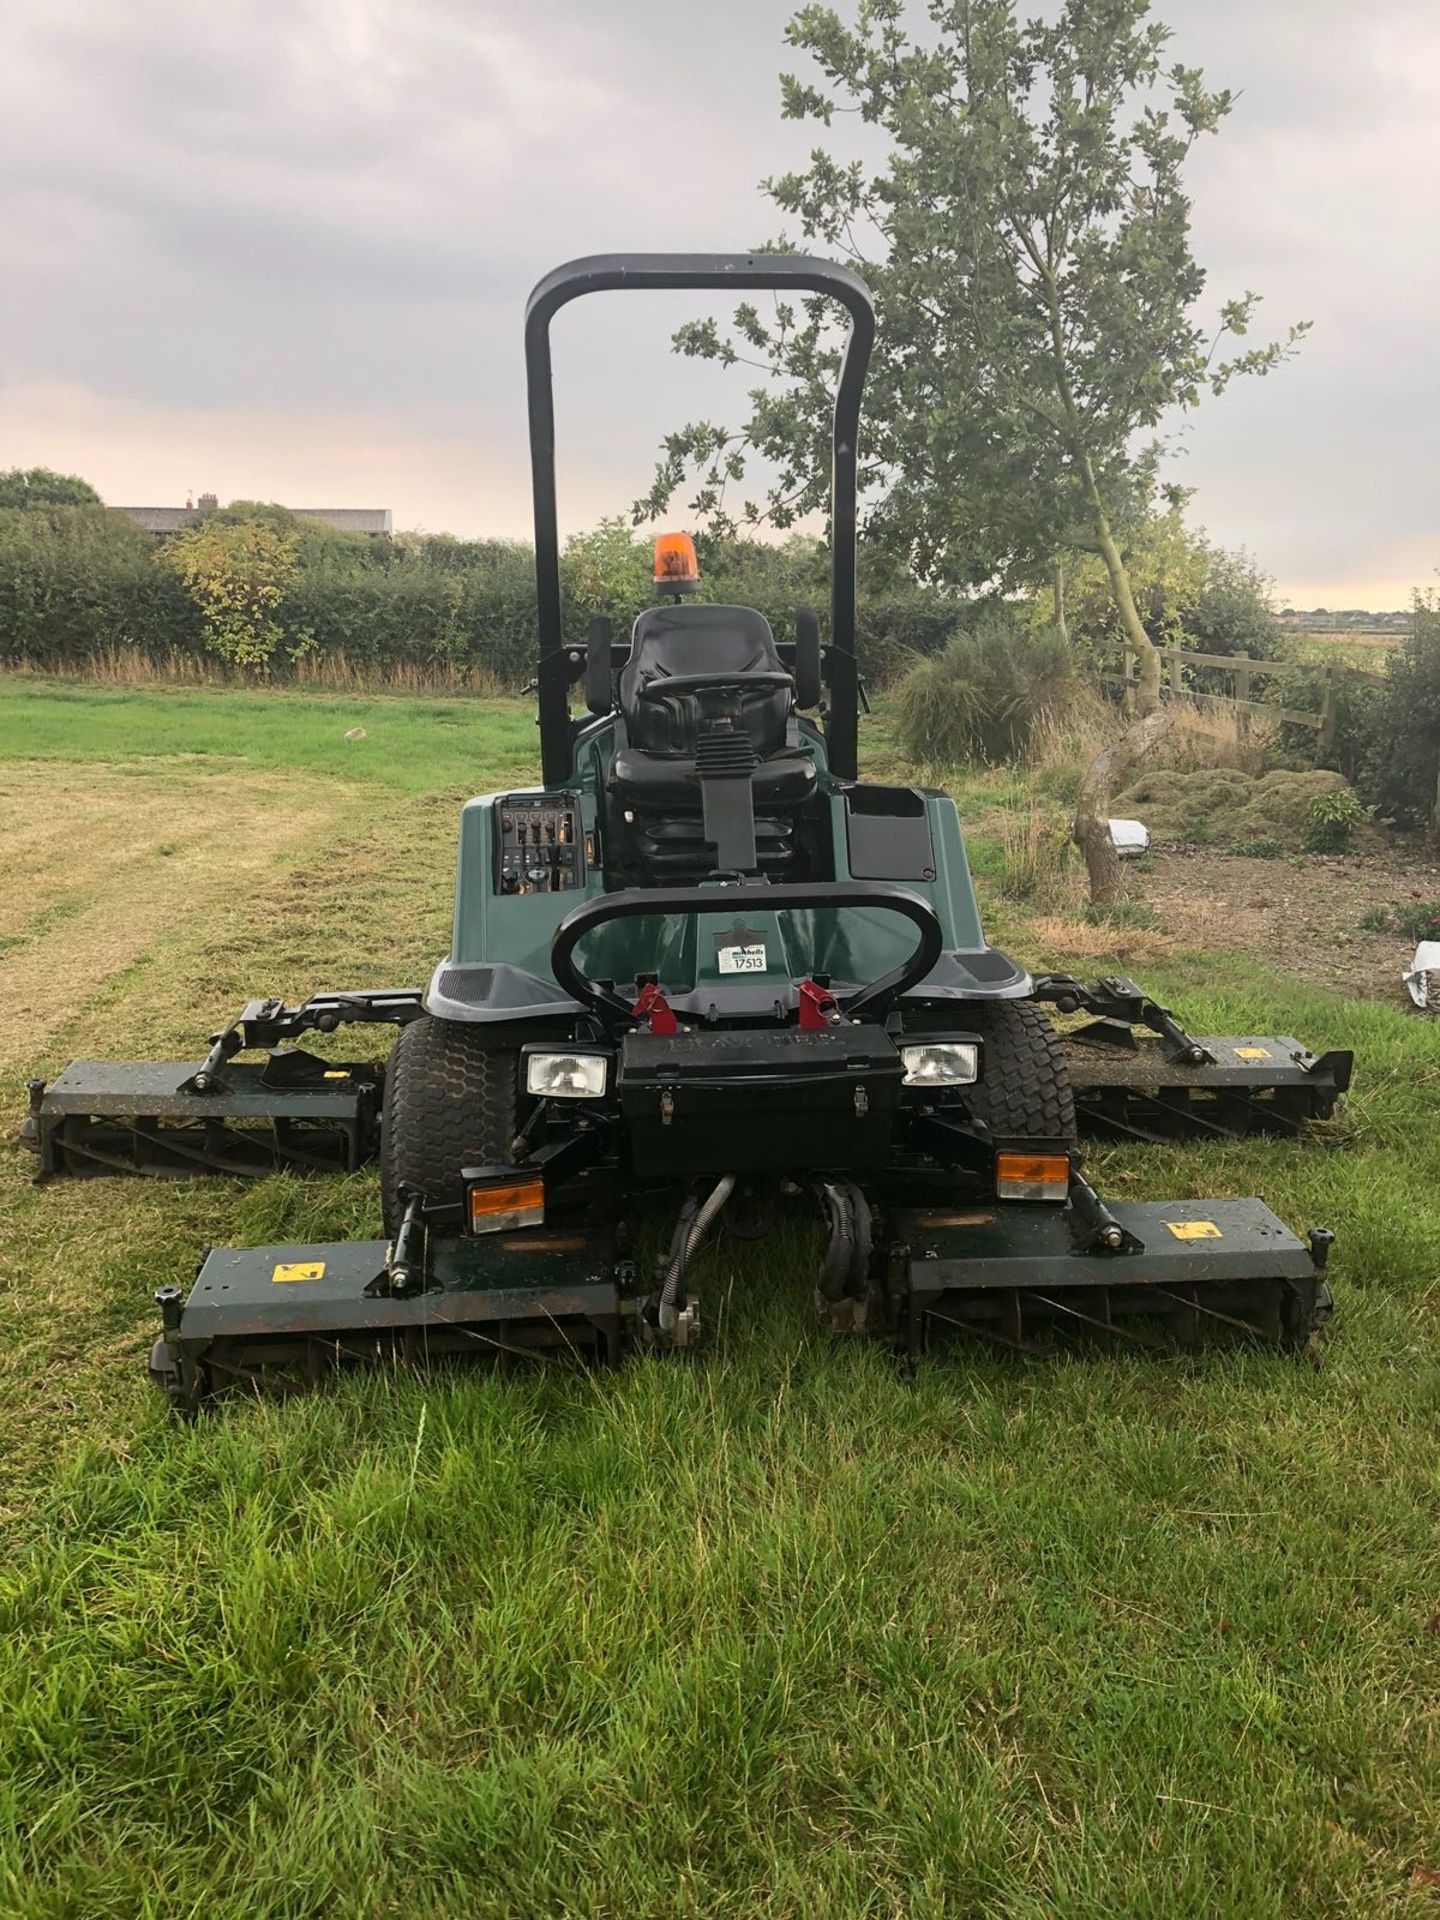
<point x="208" y="503"/>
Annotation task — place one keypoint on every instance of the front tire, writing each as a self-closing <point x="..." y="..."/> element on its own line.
<point x="450" y="1098"/>
<point x="1024" y="1089"/>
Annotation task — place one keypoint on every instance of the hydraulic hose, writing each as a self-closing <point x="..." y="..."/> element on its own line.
<point x="846" y="1266"/>
<point x="699" y="1226"/>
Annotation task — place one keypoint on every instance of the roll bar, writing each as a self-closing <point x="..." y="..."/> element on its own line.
<point x="608" y="272"/>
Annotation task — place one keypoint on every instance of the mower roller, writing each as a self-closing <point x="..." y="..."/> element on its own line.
<point x="704" y="968"/>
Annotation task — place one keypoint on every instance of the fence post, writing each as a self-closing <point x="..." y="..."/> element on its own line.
<point x="1177" y="671"/>
<point x="1327" y="713"/>
<point x="1128" y="669"/>
<point x="1242" y="695"/>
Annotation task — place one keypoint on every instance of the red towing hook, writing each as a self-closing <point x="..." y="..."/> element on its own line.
<point x="653" y="1010"/>
<point x="818" y="1006"/>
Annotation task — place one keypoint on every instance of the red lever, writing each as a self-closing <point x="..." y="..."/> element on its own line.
<point x="818" y="1007"/>
<point x="653" y="1010"/>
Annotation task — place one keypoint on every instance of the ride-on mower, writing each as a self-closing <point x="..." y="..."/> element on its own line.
<point x="704" y="959"/>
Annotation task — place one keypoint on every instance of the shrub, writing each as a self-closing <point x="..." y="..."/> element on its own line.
<point x="1263" y="849"/>
<point x="1359" y="718"/>
<point x="1404" y="760"/>
<point x="1418" y="919"/>
<point x="238" y="571"/>
<point x="983" y="697"/>
<point x="76" y="582"/>
<point x="1331" y="821"/>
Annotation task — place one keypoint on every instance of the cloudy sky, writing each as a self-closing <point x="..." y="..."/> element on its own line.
<point x="280" y="248"/>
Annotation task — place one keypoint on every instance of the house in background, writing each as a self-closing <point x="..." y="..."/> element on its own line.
<point x="372" y="520"/>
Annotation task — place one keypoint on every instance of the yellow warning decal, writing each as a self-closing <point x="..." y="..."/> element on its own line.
<point x="337" y="1073"/>
<point x="1194" y="1229"/>
<point x="1252" y="1053"/>
<point x="299" y="1270"/>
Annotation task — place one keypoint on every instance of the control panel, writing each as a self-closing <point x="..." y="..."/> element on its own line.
<point x="539" y="843"/>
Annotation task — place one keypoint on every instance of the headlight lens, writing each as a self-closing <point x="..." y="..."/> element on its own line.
<point x="941" y="1063"/>
<point x="566" y="1076"/>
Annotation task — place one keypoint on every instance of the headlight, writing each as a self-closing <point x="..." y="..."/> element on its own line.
<point x="566" y="1076"/>
<point x="942" y="1063"/>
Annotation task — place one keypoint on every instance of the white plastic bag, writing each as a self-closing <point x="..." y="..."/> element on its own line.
<point x="1423" y="980"/>
<point x="1130" y="838"/>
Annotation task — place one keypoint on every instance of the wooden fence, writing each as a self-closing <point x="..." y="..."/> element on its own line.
<point x="1243" y="670"/>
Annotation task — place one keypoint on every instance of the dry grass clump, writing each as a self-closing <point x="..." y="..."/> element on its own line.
<point x="1202" y="736"/>
<point x="1074" y="937"/>
<point x="1066" y="742"/>
<point x="1038" y="865"/>
<point x="1222" y="806"/>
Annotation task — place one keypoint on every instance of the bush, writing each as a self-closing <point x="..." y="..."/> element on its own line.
<point x="1416" y="920"/>
<point x="984" y="696"/>
<point x="1404" y="759"/>
<point x="76" y="582"/>
<point x="1359" y="711"/>
<point x="237" y="571"/>
<point x="1332" y="820"/>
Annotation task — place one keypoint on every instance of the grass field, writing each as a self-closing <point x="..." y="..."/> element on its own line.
<point x="779" y="1633"/>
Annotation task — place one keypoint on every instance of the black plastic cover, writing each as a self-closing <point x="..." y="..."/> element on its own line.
<point x="755" y="1100"/>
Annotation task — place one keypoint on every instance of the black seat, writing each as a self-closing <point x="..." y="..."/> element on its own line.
<point x="658" y="763"/>
<point x="671" y="642"/>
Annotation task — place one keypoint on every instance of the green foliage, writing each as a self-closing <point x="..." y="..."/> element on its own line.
<point x="982" y="697"/>
<point x="1122" y="915"/>
<point x="1404" y="758"/>
<point x="608" y="571"/>
<point x="1188" y="592"/>
<point x="1265" y="848"/>
<point x="1418" y="919"/>
<point x="30" y="487"/>
<point x="1027" y="236"/>
<point x="76" y="581"/>
<point x="1231" y="612"/>
<point x="238" y="571"/>
<point x="1331" y="820"/>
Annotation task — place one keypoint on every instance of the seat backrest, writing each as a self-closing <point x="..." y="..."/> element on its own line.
<point x="697" y="638"/>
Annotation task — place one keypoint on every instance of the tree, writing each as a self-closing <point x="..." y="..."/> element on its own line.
<point x="238" y="572"/>
<point x="1027" y="238"/>
<point x="41" y="487"/>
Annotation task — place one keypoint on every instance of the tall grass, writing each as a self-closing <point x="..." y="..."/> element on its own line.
<point x="333" y="672"/>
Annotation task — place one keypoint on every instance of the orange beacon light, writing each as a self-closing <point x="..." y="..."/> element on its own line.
<point x="676" y="568"/>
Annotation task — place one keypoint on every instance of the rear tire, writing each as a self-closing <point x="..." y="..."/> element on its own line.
<point x="450" y="1097"/>
<point x="1024" y="1089"/>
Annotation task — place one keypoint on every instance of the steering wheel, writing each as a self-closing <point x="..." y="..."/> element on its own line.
<point x="873" y="1000"/>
